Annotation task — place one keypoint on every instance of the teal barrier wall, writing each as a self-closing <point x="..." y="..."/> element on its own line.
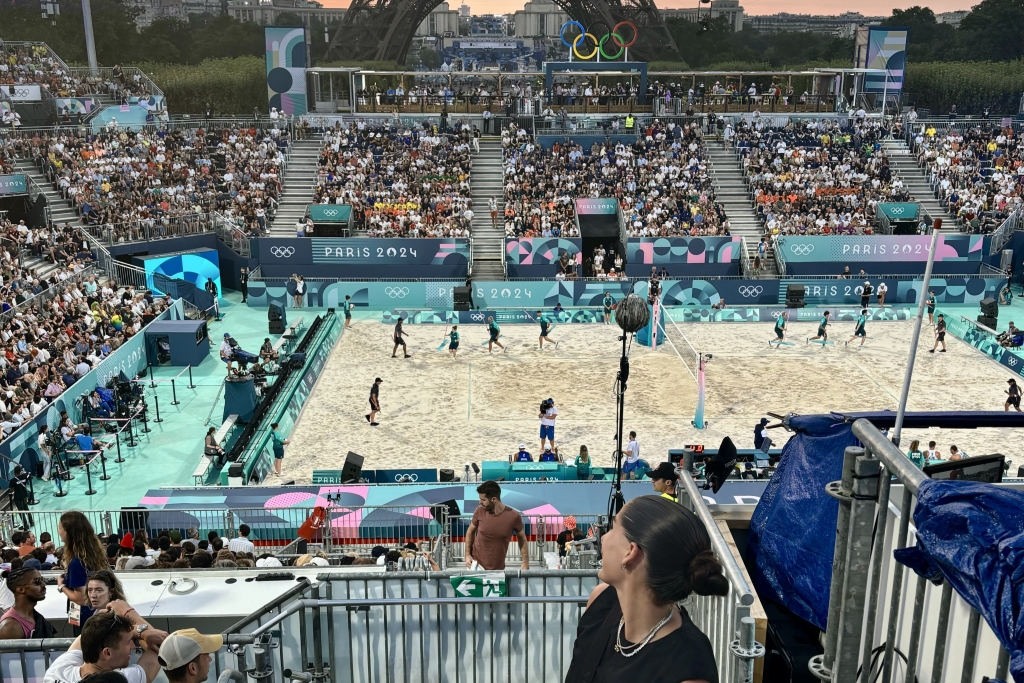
<point x="259" y="456"/>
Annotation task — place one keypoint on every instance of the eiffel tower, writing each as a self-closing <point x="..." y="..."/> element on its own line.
<point x="382" y="30"/>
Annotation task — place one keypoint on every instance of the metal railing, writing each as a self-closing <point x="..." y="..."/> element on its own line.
<point x="123" y="274"/>
<point x="745" y="267"/>
<point x="47" y="294"/>
<point x="780" y="260"/>
<point x="231" y="234"/>
<point x="106" y="73"/>
<point x="883" y="226"/>
<point x="1002" y="235"/>
<point x="950" y="645"/>
<point x="151" y="229"/>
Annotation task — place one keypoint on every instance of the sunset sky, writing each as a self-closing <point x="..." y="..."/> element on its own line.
<point x="866" y="7"/>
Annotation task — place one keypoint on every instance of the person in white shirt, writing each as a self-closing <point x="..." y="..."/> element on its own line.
<point x="882" y="289"/>
<point x="242" y="544"/>
<point x="227" y="352"/>
<point x="107" y="644"/>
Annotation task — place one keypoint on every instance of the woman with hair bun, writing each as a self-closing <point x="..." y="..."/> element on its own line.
<point x="656" y="554"/>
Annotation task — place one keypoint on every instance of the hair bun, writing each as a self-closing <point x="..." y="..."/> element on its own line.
<point x="706" y="575"/>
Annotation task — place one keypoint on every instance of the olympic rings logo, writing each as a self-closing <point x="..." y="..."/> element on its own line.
<point x="282" y="252"/>
<point x="598" y="45"/>
<point x="401" y="478"/>
<point x="19" y="92"/>
<point x="330" y="212"/>
<point x="477" y="317"/>
<point x="396" y="292"/>
<point x="750" y="291"/>
<point x="801" y="249"/>
<point x="896" y="210"/>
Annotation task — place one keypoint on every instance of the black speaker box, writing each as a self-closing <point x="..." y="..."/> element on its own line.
<point x="446" y="475"/>
<point x="988" y="321"/>
<point x="461" y="294"/>
<point x="1020" y="472"/>
<point x="275" y="327"/>
<point x="274" y="312"/>
<point x="236" y="470"/>
<point x="353" y="468"/>
<point x="990" y="307"/>
<point x="133" y="519"/>
<point x="794" y="291"/>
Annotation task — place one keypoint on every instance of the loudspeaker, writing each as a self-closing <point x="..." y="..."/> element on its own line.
<point x="795" y="296"/>
<point x="133" y="519"/>
<point x="352" y="469"/>
<point x="453" y="510"/>
<point x="275" y="327"/>
<point x="446" y="475"/>
<point x="990" y="307"/>
<point x="274" y="312"/>
<point x="1020" y="472"/>
<point x="988" y="321"/>
<point x="236" y="470"/>
<point x="461" y="296"/>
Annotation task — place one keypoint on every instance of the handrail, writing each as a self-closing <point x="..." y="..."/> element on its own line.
<point x="121" y="273"/>
<point x="780" y="261"/>
<point x="1004" y="233"/>
<point x="718" y="543"/>
<point x="890" y="455"/>
<point x="744" y="258"/>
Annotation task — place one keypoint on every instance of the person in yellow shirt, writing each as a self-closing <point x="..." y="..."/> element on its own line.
<point x="664" y="479"/>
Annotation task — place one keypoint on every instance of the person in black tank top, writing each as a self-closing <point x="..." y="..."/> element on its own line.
<point x="633" y="628"/>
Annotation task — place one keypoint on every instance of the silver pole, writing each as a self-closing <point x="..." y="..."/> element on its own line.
<point x="90" y="39"/>
<point x="908" y="376"/>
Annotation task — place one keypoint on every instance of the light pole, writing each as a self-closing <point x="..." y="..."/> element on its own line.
<point x="90" y="39"/>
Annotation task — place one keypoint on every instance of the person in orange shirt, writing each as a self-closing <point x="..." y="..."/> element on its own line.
<point x="25" y="541"/>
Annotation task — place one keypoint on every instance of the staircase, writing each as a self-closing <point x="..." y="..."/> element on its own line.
<point x="297" y="186"/>
<point x="60" y="213"/>
<point x="731" y="192"/>
<point x="486" y="181"/>
<point x="904" y="164"/>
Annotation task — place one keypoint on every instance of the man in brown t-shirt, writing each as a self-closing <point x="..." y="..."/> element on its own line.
<point x="491" y="530"/>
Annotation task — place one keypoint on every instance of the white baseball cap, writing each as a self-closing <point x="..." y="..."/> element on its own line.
<point x="181" y="647"/>
<point x="522" y="446"/>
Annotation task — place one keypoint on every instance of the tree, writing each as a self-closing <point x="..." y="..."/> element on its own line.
<point x="429" y="57"/>
<point x="994" y="30"/>
<point x="926" y="38"/>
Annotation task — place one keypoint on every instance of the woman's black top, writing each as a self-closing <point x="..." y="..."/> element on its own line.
<point x="683" y="655"/>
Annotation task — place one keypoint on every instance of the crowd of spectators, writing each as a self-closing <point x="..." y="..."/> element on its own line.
<point x="50" y="342"/>
<point x="662" y="183"/>
<point x="817" y="178"/>
<point x="401" y="181"/>
<point x="978" y="174"/>
<point x="132" y="185"/>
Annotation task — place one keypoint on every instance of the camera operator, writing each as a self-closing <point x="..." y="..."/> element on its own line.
<point x="548" y="413"/>
<point x="20" y="493"/>
<point x="227" y="351"/>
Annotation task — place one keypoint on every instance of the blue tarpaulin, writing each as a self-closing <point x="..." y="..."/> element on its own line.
<point x="972" y="535"/>
<point x="793" y="529"/>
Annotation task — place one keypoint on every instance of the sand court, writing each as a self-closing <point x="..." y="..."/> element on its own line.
<point x="439" y="412"/>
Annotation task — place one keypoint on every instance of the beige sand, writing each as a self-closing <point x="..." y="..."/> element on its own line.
<point x="443" y="413"/>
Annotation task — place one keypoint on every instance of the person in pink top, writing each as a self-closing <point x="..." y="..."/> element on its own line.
<point x="23" y="621"/>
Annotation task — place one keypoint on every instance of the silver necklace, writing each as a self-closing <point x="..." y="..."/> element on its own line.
<point x="636" y="647"/>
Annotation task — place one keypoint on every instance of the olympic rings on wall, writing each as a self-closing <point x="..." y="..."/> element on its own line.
<point x="598" y="45"/>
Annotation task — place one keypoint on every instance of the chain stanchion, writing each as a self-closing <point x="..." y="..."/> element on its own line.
<point x="174" y="395"/>
<point x="132" y="443"/>
<point x="145" y="420"/>
<point x="103" y="464"/>
<point x="151" y="383"/>
<point x="117" y="435"/>
<point x="156" y="402"/>
<point x="191" y="384"/>
<point x="88" y="477"/>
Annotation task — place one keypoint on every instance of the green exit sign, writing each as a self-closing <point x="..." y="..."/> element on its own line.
<point x="326" y="476"/>
<point x="482" y="586"/>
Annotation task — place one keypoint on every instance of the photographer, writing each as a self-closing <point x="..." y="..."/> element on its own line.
<point x="548" y="413"/>
<point x="20" y="492"/>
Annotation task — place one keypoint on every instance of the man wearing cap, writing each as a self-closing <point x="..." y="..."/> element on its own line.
<point x="865" y="296"/>
<point x="523" y="455"/>
<point x="185" y="655"/>
<point x="761" y="438"/>
<point x="227" y="353"/>
<point x="106" y="644"/>
<point x="548" y="456"/>
<point x="371" y="416"/>
<point x="664" y="479"/>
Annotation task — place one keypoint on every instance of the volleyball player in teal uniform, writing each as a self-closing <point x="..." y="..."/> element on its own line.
<point x="545" y="325"/>
<point x="494" y="331"/>
<point x="780" y="330"/>
<point x="860" y="330"/>
<point x="453" y="343"/>
<point x="822" y="330"/>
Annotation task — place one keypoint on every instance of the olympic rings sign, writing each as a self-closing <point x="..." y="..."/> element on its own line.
<point x="750" y="291"/>
<point x="598" y="45"/>
<point x="397" y="292"/>
<point x="282" y="252"/>
<point x="802" y="249"/>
